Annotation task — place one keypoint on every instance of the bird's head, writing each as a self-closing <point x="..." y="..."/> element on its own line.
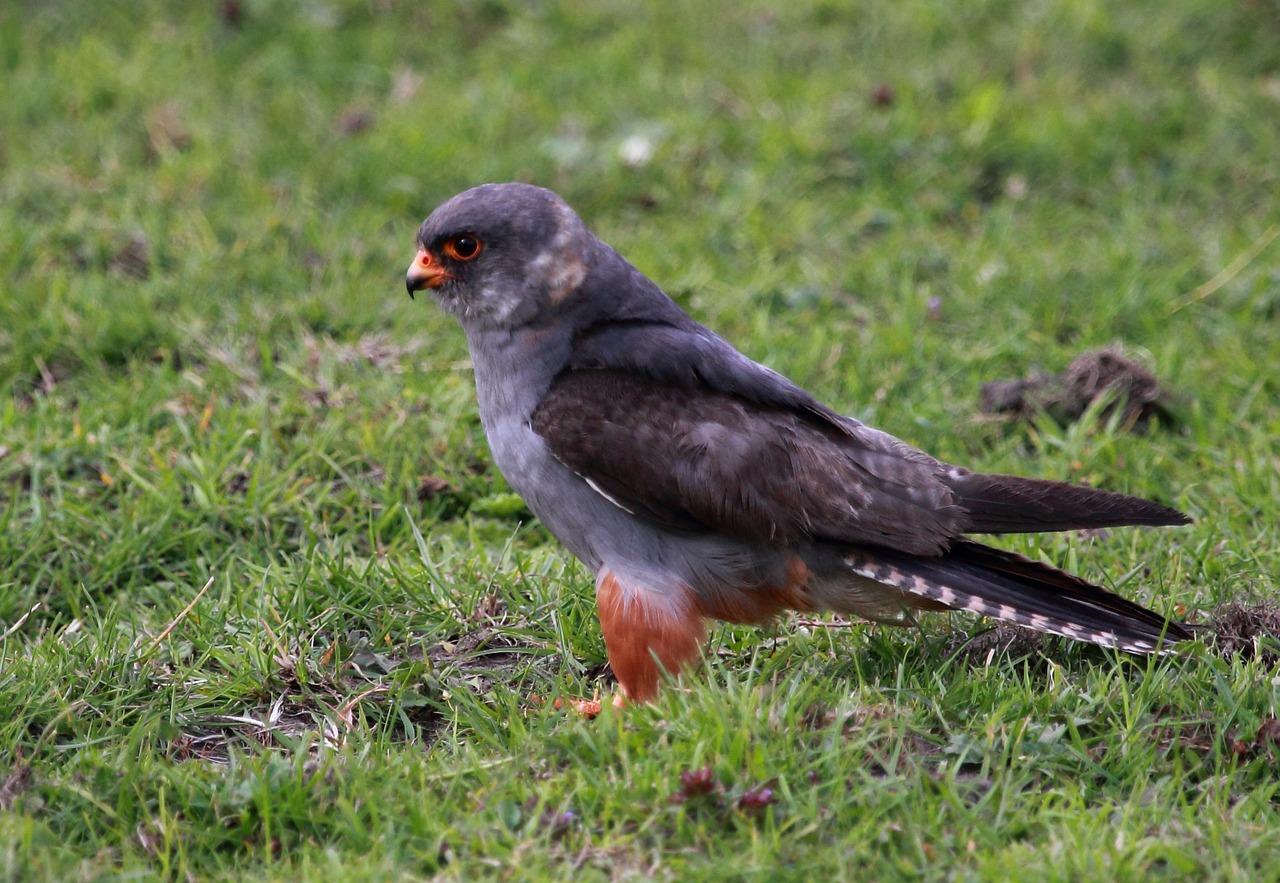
<point x="501" y="255"/>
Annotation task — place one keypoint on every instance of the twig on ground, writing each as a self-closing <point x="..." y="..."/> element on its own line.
<point x="179" y="618"/>
<point x="21" y="619"/>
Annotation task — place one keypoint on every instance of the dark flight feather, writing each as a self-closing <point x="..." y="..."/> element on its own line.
<point x="1011" y="504"/>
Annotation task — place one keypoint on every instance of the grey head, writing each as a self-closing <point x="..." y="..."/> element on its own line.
<point x="502" y="256"/>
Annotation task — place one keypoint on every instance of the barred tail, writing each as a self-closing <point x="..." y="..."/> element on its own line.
<point x="1014" y="588"/>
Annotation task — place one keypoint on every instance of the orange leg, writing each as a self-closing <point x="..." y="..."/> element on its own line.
<point x="646" y="636"/>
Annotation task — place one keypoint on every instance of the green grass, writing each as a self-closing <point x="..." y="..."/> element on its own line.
<point x="210" y="376"/>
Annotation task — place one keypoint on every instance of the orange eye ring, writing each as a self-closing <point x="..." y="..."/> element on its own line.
<point x="463" y="248"/>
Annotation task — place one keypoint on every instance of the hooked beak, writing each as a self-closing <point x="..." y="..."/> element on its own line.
<point x="425" y="272"/>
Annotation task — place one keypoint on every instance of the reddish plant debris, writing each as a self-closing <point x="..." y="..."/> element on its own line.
<point x="695" y="783"/>
<point x="588" y="708"/>
<point x="756" y="799"/>
<point x="883" y="95"/>
<point x="699" y="788"/>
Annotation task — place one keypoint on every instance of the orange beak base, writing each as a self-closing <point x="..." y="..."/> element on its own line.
<point x="425" y="272"/>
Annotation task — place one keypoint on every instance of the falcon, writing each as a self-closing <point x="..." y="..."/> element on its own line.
<point x="697" y="484"/>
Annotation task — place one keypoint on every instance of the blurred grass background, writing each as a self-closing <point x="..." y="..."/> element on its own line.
<point x="210" y="375"/>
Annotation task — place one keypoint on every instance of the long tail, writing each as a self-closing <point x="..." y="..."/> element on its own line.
<point x="1013" y="588"/>
<point x="1011" y="504"/>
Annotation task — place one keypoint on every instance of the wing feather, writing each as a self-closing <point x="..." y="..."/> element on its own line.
<point x="670" y="422"/>
<point x="693" y="459"/>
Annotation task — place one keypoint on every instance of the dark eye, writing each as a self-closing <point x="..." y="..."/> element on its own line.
<point x="463" y="248"/>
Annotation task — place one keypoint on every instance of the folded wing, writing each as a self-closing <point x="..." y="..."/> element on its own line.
<point x="670" y="422"/>
<point x="693" y="459"/>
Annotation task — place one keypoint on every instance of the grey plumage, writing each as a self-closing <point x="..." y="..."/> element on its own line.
<point x="696" y="482"/>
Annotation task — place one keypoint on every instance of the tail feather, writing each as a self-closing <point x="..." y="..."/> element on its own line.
<point x="1010" y="504"/>
<point x="1016" y="589"/>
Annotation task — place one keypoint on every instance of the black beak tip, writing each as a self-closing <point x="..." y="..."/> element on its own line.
<point x="408" y="284"/>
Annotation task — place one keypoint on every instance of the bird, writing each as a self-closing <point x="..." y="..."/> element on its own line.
<point x="698" y="485"/>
